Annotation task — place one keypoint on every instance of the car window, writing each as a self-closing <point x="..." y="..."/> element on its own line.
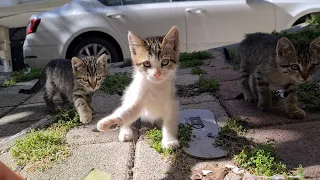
<point x="129" y="2"/>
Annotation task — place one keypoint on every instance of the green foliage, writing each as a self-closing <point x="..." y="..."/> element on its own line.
<point x="309" y="94"/>
<point x="8" y="83"/>
<point x="314" y="20"/>
<point x="40" y="149"/>
<point x="191" y="64"/>
<point x="197" y="70"/>
<point x="19" y="76"/>
<point x="154" y="137"/>
<point x="207" y="85"/>
<point x="196" y="55"/>
<point x="116" y="83"/>
<point x="304" y="36"/>
<point x="261" y="160"/>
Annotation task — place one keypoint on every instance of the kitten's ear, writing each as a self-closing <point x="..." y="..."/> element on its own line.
<point x="134" y="42"/>
<point x="103" y="61"/>
<point x="315" y="46"/>
<point x="76" y="63"/>
<point x="171" y="39"/>
<point x="285" y="47"/>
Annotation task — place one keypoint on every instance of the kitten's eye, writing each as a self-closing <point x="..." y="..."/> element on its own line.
<point x="147" y="64"/>
<point x="99" y="77"/>
<point x="295" y="67"/>
<point x="164" y="62"/>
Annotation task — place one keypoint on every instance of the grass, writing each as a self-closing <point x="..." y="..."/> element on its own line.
<point x="40" y="149"/>
<point x="207" y="85"/>
<point x="154" y="137"/>
<point x="314" y="20"/>
<point x="193" y="59"/>
<point x="116" y="83"/>
<point x="197" y="70"/>
<point x="191" y="63"/>
<point x="309" y="95"/>
<point x="19" y="76"/>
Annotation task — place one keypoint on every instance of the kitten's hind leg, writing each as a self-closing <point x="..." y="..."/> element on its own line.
<point x="246" y="89"/>
<point x="265" y="99"/>
<point x="48" y="98"/>
<point x="254" y="87"/>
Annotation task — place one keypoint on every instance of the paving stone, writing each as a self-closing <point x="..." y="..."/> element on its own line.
<point x="7" y="130"/>
<point x="84" y="134"/>
<point x="7" y="159"/>
<point x="229" y="90"/>
<point x="216" y="64"/>
<point x="4" y="110"/>
<point x="183" y="71"/>
<point x="205" y="97"/>
<point x="10" y="96"/>
<point x="120" y="70"/>
<point x="218" y="111"/>
<point x="104" y="103"/>
<point x="223" y="74"/>
<point x="295" y="144"/>
<point x="112" y="158"/>
<point x="25" y="113"/>
<point x="187" y="79"/>
<point x="257" y="118"/>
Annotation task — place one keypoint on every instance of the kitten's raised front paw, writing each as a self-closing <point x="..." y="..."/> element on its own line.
<point x="297" y="114"/>
<point x="125" y="135"/>
<point x="86" y="118"/>
<point x="107" y="123"/>
<point x="170" y="144"/>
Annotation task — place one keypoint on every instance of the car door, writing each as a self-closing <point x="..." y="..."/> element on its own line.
<point x="144" y="17"/>
<point x="215" y="23"/>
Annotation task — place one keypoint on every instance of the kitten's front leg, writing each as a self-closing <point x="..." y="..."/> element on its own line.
<point x="89" y="102"/>
<point x="291" y="102"/>
<point x="82" y="107"/>
<point x="123" y="116"/>
<point x="265" y="99"/>
<point x="170" y="127"/>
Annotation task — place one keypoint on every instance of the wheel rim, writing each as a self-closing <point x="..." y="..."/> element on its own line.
<point x="94" y="50"/>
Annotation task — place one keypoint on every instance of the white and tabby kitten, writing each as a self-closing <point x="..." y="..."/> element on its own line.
<point x="151" y="95"/>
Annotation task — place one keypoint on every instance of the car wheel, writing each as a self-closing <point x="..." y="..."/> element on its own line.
<point x="96" y="47"/>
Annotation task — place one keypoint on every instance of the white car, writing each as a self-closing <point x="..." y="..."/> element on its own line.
<point x="93" y="27"/>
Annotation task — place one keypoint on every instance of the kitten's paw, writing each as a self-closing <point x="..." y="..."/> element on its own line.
<point x="106" y="124"/>
<point x="264" y="107"/>
<point x="86" y="118"/>
<point x="297" y="114"/>
<point x="249" y="98"/>
<point x="170" y="144"/>
<point x="125" y="135"/>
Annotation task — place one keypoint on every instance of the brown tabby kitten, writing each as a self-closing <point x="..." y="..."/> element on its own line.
<point x="271" y="60"/>
<point x="74" y="80"/>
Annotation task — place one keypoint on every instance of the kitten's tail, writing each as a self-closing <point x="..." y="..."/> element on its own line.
<point x="40" y="83"/>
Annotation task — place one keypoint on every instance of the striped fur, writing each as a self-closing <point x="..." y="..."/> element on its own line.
<point x="270" y="60"/>
<point x="74" y="80"/>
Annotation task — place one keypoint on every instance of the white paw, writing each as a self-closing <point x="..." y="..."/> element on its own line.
<point x="170" y="144"/>
<point x="125" y="135"/>
<point x="109" y="123"/>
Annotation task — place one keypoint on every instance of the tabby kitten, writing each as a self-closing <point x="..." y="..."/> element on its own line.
<point x="74" y="80"/>
<point x="271" y="60"/>
<point x="151" y="94"/>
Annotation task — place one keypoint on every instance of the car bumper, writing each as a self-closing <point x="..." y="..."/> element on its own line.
<point x="37" y="56"/>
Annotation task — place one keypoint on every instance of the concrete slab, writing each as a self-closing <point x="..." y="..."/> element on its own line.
<point x="216" y="64"/>
<point x="295" y="144"/>
<point x="7" y="159"/>
<point x="85" y="135"/>
<point x="183" y="71"/>
<point x="113" y="70"/>
<point x="257" y="118"/>
<point x="205" y="97"/>
<point x="187" y="79"/>
<point x="10" y="97"/>
<point x="7" y="130"/>
<point x="219" y="113"/>
<point x="223" y="74"/>
<point x="229" y="90"/>
<point x="25" y="113"/>
<point x="112" y="158"/>
<point x="4" y="110"/>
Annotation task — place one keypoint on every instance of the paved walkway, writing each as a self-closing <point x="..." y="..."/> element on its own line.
<point x="297" y="141"/>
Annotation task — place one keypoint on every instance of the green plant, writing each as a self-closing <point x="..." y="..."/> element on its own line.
<point x="116" y="83"/>
<point x="154" y="137"/>
<point x="8" y="83"/>
<point x="309" y="95"/>
<point x="40" y="149"/>
<point x="207" y="85"/>
<point x="304" y="36"/>
<point x="20" y="76"/>
<point x="261" y="160"/>
<point x="197" y="70"/>
<point x="196" y="55"/>
<point x="314" y="20"/>
<point x="191" y="64"/>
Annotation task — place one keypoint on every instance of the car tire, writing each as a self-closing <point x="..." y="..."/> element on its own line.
<point x="97" y="40"/>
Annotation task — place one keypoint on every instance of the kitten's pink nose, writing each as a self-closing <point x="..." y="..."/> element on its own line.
<point x="157" y="74"/>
